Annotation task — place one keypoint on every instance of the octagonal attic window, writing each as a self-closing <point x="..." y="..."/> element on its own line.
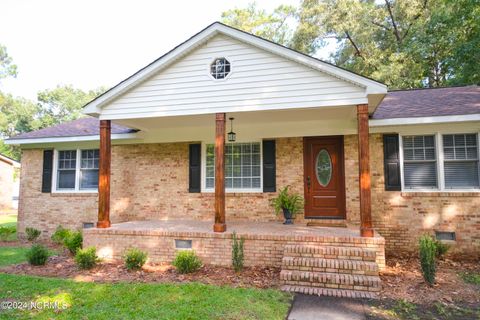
<point x="220" y="68"/>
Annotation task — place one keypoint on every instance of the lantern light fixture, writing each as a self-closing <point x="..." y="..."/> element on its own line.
<point x="231" y="134"/>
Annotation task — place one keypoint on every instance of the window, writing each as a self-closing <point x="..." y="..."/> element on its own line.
<point x="441" y="161"/>
<point x="67" y="164"/>
<point x="89" y="169"/>
<point x="220" y="68"/>
<point x="76" y="170"/>
<point x="242" y="166"/>
<point x="460" y="152"/>
<point x="419" y="162"/>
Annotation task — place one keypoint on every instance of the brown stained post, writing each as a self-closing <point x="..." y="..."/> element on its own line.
<point x="104" y="175"/>
<point x="366" y="228"/>
<point x="220" y="225"/>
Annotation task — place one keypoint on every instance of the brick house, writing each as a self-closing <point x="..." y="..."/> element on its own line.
<point x="8" y="183"/>
<point x="154" y="167"/>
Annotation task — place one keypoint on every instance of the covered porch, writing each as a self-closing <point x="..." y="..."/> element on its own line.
<point x="251" y="126"/>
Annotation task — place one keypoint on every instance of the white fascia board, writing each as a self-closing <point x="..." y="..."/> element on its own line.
<point x="94" y="107"/>
<point x="423" y="120"/>
<point x="122" y="136"/>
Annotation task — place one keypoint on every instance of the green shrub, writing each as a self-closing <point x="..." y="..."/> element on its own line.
<point x="428" y="252"/>
<point x="37" y="255"/>
<point x="32" y="234"/>
<point x="6" y="232"/>
<point x="187" y="261"/>
<point x="135" y="259"/>
<point x="73" y="241"/>
<point x="60" y="235"/>
<point x="86" y="258"/>
<point x="237" y="252"/>
<point x="442" y="249"/>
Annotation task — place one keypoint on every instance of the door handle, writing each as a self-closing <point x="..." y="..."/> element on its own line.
<point x="308" y="183"/>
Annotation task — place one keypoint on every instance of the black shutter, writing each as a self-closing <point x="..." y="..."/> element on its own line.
<point x="391" y="162"/>
<point x="47" y="171"/>
<point x="194" y="167"/>
<point x="269" y="171"/>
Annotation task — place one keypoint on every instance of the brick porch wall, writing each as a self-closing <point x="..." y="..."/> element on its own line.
<point x="150" y="181"/>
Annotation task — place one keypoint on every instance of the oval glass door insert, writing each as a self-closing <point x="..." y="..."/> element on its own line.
<point x="323" y="168"/>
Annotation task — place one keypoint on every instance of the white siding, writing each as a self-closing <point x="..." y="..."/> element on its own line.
<point x="259" y="80"/>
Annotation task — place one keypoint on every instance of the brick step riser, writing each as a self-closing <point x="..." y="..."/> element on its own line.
<point x="330" y="253"/>
<point x="329" y="280"/>
<point x="329" y="292"/>
<point x="331" y="286"/>
<point x="336" y="270"/>
<point x="330" y="265"/>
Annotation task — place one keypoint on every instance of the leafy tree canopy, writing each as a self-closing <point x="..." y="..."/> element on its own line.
<point x="7" y="67"/>
<point x="403" y="43"/>
<point x="54" y="106"/>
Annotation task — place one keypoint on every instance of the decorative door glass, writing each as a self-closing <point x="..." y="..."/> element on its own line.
<point x="323" y="168"/>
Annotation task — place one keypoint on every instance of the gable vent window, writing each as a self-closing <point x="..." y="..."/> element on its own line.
<point x="220" y="68"/>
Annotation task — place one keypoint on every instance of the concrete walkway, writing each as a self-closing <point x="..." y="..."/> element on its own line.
<point x="307" y="307"/>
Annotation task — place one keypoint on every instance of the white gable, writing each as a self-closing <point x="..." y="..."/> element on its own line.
<point x="259" y="80"/>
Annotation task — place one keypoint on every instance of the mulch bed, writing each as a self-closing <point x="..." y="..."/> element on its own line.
<point x="403" y="279"/>
<point x="63" y="266"/>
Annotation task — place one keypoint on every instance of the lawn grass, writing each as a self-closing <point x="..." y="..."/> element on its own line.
<point x="9" y="220"/>
<point x="12" y="255"/>
<point x="140" y="300"/>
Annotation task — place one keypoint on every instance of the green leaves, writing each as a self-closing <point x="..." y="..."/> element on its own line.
<point x="405" y="44"/>
<point x="7" y="67"/>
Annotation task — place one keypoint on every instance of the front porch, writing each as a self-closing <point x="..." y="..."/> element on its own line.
<point x="331" y="260"/>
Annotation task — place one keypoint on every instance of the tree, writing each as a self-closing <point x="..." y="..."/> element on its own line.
<point x="64" y="103"/>
<point x="17" y="115"/>
<point x="274" y="26"/>
<point x="403" y="43"/>
<point x="7" y="67"/>
<point x="54" y="106"/>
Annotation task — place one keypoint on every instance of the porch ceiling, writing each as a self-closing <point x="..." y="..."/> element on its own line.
<point x="249" y="125"/>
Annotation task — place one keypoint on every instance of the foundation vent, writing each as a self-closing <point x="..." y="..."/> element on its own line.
<point x="183" y="244"/>
<point x="445" y="235"/>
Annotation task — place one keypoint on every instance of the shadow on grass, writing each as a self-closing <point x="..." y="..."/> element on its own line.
<point x="402" y="309"/>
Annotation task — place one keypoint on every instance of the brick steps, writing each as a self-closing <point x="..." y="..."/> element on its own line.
<point x="329" y="292"/>
<point x="343" y="270"/>
<point x="330" y="265"/>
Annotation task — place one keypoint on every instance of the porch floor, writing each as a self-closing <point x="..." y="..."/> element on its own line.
<point x="253" y="229"/>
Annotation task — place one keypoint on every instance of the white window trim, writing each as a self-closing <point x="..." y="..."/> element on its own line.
<point x="439" y="160"/>
<point x="77" y="173"/>
<point x="203" y="174"/>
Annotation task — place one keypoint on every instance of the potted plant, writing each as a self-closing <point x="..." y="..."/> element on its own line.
<point x="288" y="203"/>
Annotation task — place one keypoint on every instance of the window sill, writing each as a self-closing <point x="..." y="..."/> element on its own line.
<point x="441" y="193"/>
<point x="235" y="193"/>
<point x="74" y="194"/>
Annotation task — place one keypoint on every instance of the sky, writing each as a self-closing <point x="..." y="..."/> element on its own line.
<point x="93" y="43"/>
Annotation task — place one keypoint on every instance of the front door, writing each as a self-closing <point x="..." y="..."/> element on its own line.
<point x="324" y="177"/>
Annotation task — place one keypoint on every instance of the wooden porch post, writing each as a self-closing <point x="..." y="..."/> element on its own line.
<point x="104" y="175"/>
<point x="366" y="228"/>
<point x="219" y="225"/>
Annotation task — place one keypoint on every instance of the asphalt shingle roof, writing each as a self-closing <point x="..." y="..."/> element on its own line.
<point x="88" y="126"/>
<point x="429" y="103"/>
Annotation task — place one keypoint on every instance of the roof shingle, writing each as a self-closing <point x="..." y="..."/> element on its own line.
<point x="429" y="103"/>
<point x="88" y="126"/>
